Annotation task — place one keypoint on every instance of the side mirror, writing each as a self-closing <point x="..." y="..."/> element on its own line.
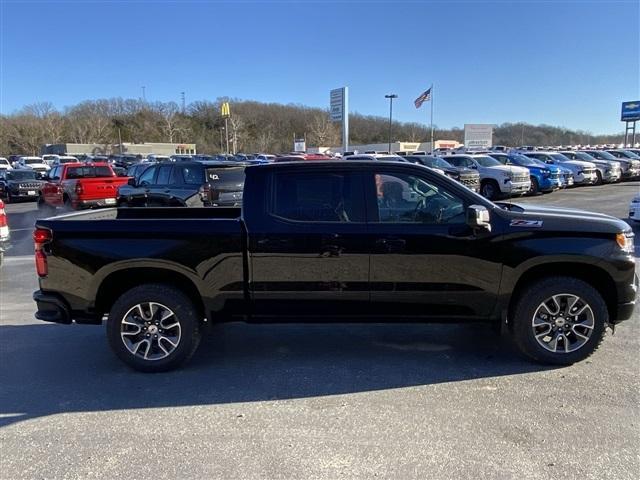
<point x="131" y="182"/>
<point x="478" y="217"/>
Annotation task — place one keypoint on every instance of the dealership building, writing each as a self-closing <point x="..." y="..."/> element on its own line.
<point x="108" y="149"/>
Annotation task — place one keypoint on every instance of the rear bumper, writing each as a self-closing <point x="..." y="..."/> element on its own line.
<point x="51" y="308"/>
<point x="94" y="203"/>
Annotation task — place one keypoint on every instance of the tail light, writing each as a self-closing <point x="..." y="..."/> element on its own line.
<point x="41" y="236"/>
<point x="3" y="215"/>
<point x="79" y="190"/>
<point x="205" y="193"/>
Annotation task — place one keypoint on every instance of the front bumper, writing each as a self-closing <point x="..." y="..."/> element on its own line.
<point x="549" y="184"/>
<point x="51" y="307"/>
<point x="582" y="179"/>
<point x="631" y="173"/>
<point x="625" y="310"/>
<point x="515" y="188"/>
<point x="23" y="194"/>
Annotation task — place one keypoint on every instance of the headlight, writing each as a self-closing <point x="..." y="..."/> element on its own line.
<point x="506" y="175"/>
<point x="625" y="241"/>
<point x="546" y="173"/>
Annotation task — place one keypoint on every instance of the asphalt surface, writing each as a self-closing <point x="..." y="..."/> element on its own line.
<point x="313" y="401"/>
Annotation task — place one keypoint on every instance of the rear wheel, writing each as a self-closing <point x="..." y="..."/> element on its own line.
<point x="560" y="321"/>
<point x="153" y="328"/>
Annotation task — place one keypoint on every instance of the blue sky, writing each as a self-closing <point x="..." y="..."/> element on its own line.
<point x="561" y="63"/>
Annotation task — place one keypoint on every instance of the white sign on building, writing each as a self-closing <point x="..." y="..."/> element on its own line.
<point x="477" y="135"/>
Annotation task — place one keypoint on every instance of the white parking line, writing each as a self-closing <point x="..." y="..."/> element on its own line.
<point x="18" y="258"/>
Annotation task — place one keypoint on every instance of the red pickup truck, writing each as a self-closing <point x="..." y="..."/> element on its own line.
<point x="76" y="186"/>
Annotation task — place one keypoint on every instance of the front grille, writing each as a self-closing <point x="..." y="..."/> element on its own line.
<point x="589" y="171"/>
<point x="555" y="176"/>
<point x="29" y="185"/>
<point x="470" y="180"/>
<point x="520" y="178"/>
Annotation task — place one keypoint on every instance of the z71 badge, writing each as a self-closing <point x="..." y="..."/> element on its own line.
<point x="526" y="223"/>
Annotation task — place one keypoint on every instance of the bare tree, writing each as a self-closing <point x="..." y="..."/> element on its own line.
<point x="323" y="133"/>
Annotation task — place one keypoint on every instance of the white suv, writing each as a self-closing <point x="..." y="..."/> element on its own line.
<point x="496" y="179"/>
<point x="4" y="164"/>
<point x="584" y="173"/>
<point x="33" y="163"/>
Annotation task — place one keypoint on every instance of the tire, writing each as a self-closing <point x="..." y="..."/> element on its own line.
<point x="132" y="346"/>
<point x="599" y="178"/>
<point x="489" y="189"/>
<point x="570" y="347"/>
<point x="535" y="188"/>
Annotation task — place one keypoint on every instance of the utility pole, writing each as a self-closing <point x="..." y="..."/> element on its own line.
<point x="391" y="96"/>
<point x="144" y="96"/>
<point x="183" y="103"/>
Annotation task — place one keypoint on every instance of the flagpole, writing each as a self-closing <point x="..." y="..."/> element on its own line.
<point x="432" y="144"/>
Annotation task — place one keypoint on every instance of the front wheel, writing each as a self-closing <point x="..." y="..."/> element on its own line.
<point x="598" y="177"/>
<point x="489" y="189"/>
<point x="560" y="321"/>
<point x="535" y="188"/>
<point x="153" y="328"/>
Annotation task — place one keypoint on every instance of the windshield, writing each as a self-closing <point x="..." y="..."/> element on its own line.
<point x="629" y="154"/>
<point x="559" y="157"/>
<point x="21" y="175"/>
<point x="67" y="160"/>
<point x="4" y="162"/>
<point x="525" y="161"/>
<point x="584" y="156"/>
<point x="89" y="172"/>
<point x="602" y="155"/>
<point x="31" y="161"/>
<point x="486" y="161"/>
<point x="234" y="175"/>
<point x="437" y="162"/>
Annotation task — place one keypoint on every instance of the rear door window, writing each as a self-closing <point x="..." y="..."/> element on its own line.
<point x="318" y="197"/>
<point x="192" y="174"/>
<point x="164" y="172"/>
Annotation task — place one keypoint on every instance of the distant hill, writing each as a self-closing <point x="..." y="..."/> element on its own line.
<point x="253" y="126"/>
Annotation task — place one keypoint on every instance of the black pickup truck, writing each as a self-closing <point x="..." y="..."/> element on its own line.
<point x="338" y="240"/>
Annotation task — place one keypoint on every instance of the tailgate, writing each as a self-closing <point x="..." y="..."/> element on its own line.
<point x="98" y="188"/>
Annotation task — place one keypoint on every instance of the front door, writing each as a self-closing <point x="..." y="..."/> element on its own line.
<point x="310" y="254"/>
<point x="425" y="261"/>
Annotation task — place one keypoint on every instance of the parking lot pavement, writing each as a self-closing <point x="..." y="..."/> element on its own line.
<point x="314" y="401"/>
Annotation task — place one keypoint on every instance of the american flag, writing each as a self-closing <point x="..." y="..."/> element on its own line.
<point x="425" y="97"/>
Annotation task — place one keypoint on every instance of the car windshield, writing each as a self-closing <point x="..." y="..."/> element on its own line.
<point x="4" y="161"/>
<point x="584" y="156"/>
<point x="525" y="161"/>
<point x="68" y="160"/>
<point x="436" y="162"/>
<point x="602" y="155"/>
<point x="21" y="175"/>
<point x="89" y="172"/>
<point x="31" y="161"/>
<point x="559" y="157"/>
<point x="486" y="161"/>
<point x="629" y="154"/>
<point x="233" y="175"/>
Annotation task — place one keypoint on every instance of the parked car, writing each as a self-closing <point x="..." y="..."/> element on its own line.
<point x="544" y="178"/>
<point x="33" y="163"/>
<point x="62" y="159"/>
<point x="185" y="184"/>
<point x="466" y="176"/>
<point x="381" y="157"/>
<point x="13" y="160"/>
<point x="136" y="169"/>
<point x="76" y="186"/>
<point x="157" y="158"/>
<point x="265" y="157"/>
<point x="4" y="164"/>
<point x="634" y="208"/>
<point x="584" y="173"/>
<point x="119" y="171"/>
<point x="629" y="161"/>
<point x="50" y="159"/>
<point x="4" y="231"/>
<point x="367" y="240"/>
<point x="124" y="161"/>
<point x="19" y="184"/>
<point x="181" y="158"/>
<point x="495" y="179"/>
<point x="607" y="171"/>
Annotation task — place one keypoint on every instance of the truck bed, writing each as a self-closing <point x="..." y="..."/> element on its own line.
<point x="148" y="213"/>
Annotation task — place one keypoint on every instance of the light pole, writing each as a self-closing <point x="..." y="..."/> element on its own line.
<point x="391" y="96"/>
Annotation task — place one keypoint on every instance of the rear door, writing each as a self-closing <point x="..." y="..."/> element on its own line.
<point x="425" y="260"/>
<point x="309" y="255"/>
<point x="159" y="191"/>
